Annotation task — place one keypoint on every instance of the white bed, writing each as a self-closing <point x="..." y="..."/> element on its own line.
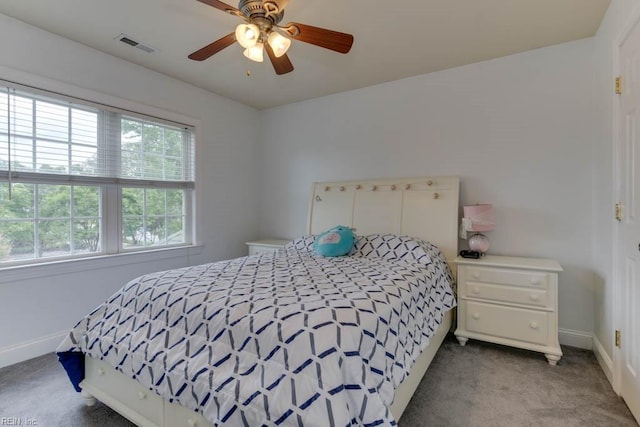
<point x="425" y="208"/>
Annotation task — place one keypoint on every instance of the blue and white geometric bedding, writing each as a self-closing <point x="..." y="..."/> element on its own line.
<point x="286" y="338"/>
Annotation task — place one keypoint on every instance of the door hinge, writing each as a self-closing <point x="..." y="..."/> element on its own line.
<point x="619" y="211"/>
<point x="618" y="85"/>
<point x="618" y="339"/>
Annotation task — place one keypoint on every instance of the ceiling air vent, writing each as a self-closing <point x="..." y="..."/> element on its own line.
<point x="131" y="42"/>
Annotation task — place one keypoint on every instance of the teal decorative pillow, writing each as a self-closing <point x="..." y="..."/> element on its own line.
<point x="335" y="242"/>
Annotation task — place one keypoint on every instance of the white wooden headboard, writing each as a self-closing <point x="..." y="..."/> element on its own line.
<point x="420" y="207"/>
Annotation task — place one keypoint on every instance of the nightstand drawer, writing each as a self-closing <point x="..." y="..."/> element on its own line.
<point x="257" y="250"/>
<point x="257" y="247"/>
<point x="505" y="276"/>
<point x="507" y="322"/>
<point x="507" y="294"/>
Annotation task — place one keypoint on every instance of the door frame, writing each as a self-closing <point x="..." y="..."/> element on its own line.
<point x="617" y="267"/>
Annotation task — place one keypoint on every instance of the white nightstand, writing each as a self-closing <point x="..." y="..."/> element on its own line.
<point x="510" y="301"/>
<point x="263" y="246"/>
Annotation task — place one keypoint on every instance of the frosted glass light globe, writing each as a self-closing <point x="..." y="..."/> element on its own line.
<point x="254" y="53"/>
<point x="247" y="35"/>
<point x="278" y="43"/>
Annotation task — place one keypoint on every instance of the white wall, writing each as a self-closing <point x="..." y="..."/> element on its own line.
<point x="38" y="304"/>
<point x="619" y="13"/>
<point x="518" y="130"/>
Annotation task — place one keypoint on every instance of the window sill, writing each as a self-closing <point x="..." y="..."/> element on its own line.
<point x="55" y="268"/>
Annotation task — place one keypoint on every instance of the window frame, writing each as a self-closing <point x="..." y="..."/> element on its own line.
<point x="110" y="212"/>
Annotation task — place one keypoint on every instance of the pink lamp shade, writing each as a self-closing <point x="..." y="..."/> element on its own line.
<point x="477" y="218"/>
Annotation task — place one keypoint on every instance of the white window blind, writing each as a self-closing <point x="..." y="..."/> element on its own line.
<point x="69" y="141"/>
<point x="79" y="178"/>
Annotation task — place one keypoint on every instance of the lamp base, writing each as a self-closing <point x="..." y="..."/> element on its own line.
<point x="479" y="243"/>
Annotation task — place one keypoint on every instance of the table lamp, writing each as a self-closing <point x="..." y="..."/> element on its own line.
<point x="476" y="219"/>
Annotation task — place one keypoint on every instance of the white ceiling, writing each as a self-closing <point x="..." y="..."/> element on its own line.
<point x="393" y="40"/>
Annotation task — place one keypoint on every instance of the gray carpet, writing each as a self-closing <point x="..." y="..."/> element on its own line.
<point x="477" y="385"/>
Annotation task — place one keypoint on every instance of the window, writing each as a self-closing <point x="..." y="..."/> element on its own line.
<point x="80" y="179"/>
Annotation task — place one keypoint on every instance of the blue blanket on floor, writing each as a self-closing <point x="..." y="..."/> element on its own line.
<point x="73" y="363"/>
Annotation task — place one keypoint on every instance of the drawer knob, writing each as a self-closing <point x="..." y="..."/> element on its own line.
<point x="476" y="275"/>
<point x="535" y="297"/>
<point x="191" y="423"/>
<point x="476" y="290"/>
<point x="100" y="371"/>
<point x="535" y="280"/>
<point x="533" y="325"/>
<point x="142" y="395"/>
<point x="475" y="316"/>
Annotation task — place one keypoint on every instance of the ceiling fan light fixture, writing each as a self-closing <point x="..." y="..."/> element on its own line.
<point x="261" y="19"/>
<point x="255" y="53"/>
<point x="247" y="35"/>
<point x="278" y="43"/>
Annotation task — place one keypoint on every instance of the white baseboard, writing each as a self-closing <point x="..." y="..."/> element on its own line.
<point x="575" y="338"/>
<point x="29" y="349"/>
<point x="606" y="363"/>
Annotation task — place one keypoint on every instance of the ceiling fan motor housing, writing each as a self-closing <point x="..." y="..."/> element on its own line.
<point x="269" y="10"/>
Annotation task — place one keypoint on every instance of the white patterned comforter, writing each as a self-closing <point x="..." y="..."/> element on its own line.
<point x="289" y="338"/>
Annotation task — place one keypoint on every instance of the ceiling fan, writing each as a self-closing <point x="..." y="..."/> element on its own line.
<point x="261" y="31"/>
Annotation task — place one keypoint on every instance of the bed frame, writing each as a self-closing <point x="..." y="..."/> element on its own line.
<point x="420" y="207"/>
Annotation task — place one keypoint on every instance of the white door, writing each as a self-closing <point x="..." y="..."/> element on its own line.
<point x="629" y="231"/>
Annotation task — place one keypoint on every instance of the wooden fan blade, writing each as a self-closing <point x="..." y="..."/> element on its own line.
<point x="282" y="65"/>
<point x="328" y="39"/>
<point x="221" y="6"/>
<point x="213" y="48"/>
